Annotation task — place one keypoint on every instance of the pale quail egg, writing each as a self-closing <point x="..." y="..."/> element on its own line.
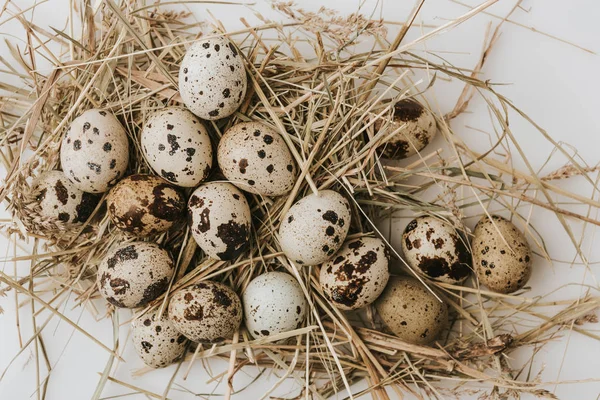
<point x="177" y="146"/>
<point x="357" y="274"/>
<point x="134" y="274"/>
<point x="435" y="249"/>
<point x="273" y="303"/>
<point x="256" y="159"/>
<point x="419" y="129"/>
<point x="501" y="255"/>
<point x="207" y="312"/>
<point x="212" y="78"/>
<point x="156" y="340"/>
<point x="315" y="227"/>
<point x="144" y="205"/>
<point x="410" y="311"/>
<point x="219" y="219"/>
<point x="94" y="153"/>
<point x="60" y="200"/>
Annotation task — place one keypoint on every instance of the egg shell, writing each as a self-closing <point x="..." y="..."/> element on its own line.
<point x="212" y="78"/>
<point x="410" y="311"/>
<point x="501" y="255"/>
<point x="418" y="131"/>
<point x="145" y="205"/>
<point x="220" y="220"/>
<point x="208" y="312"/>
<point x="315" y="227"/>
<point x="134" y="274"/>
<point x="94" y="152"/>
<point x="156" y="340"/>
<point x="357" y="274"/>
<point x="177" y="146"/>
<point x="256" y="159"/>
<point x="273" y="303"/>
<point x="60" y="200"/>
<point x="435" y="249"/>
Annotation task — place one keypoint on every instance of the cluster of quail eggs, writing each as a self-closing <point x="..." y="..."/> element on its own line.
<point x="255" y="159"/>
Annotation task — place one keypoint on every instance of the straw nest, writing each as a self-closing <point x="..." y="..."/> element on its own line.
<point x="326" y="100"/>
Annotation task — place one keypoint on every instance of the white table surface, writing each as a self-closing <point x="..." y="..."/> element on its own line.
<point x="557" y="84"/>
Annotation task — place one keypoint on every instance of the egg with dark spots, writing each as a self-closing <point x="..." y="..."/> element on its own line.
<point x="411" y="311"/>
<point x="156" y="340"/>
<point x="417" y="129"/>
<point x="94" y="152"/>
<point x="315" y="227"/>
<point x="434" y="248"/>
<point x="273" y="303"/>
<point x="134" y="274"/>
<point x="145" y="205"/>
<point x="220" y="220"/>
<point x="357" y="274"/>
<point x="59" y="200"/>
<point x="177" y="147"/>
<point x="212" y="78"/>
<point x="502" y="257"/>
<point x="255" y="158"/>
<point x="207" y="312"/>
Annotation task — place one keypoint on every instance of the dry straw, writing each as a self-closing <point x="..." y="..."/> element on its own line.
<point x="324" y="99"/>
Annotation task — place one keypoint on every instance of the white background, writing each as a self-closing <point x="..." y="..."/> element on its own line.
<point x="555" y="83"/>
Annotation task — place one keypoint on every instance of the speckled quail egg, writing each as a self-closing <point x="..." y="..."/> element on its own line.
<point x="435" y="249"/>
<point x="410" y="311"/>
<point x="177" y="146"/>
<point x="256" y="159"/>
<point x="94" y="152"/>
<point x="315" y="227"/>
<point x="212" y="78"/>
<point x="134" y="274"/>
<point x="273" y="303"/>
<point x="419" y="129"/>
<point x="60" y="200"/>
<point x="144" y="205"/>
<point x="156" y="340"/>
<point x="357" y="274"/>
<point x="208" y="312"/>
<point x="501" y="255"/>
<point x="220" y="220"/>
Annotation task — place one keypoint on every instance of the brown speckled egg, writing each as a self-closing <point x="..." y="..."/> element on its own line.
<point x="357" y="274"/>
<point x="212" y="78"/>
<point x="315" y="227"/>
<point x="501" y="255"/>
<point x="273" y="303"/>
<point x="177" y="146"/>
<point x="410" y="311"/>
<point x="60" y="200"/>
<point x="256" y="159"/>
<point x="435" y="249"/>
<point x="144" y="205"/>
<point x="419" y="129"/>
<point x="94" y="152"/>
<point x="134" y="274"/>
<point x="208" y="312"/>
<point x="219" y="219"/>
<point x="156" y="340"/>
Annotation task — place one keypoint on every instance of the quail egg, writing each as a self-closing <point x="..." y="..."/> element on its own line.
<point x="357" y="274"/>
<point x="501" y="255"/>
<point x="212" y="78"/>
<point x="208" y="312"/>
<point x="436" y="250"/>
<point x="94" y="152"/>
<point x="273" y="303"/>
<point x="177" y="146"/>
<point x="315" y="227"/>
<point x="134" y="274"/>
